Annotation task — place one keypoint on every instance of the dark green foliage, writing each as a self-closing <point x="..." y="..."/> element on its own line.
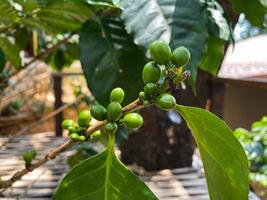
<point x="110" y="58"/>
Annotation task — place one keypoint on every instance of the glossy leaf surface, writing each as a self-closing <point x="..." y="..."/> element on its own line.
<point x="181" y="23"/>
<point x="225" y="162"/>
<point x="102" y="177"/>
<point x="110" y="59"/>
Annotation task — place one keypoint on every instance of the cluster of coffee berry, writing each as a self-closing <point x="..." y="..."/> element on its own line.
<point x="112" y="114"/>
<point x="166" y="67"/>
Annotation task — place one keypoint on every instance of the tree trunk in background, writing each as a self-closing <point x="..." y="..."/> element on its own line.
<point x="161" y="143"/>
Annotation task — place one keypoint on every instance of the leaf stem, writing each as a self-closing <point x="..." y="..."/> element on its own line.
<point x="110" y="152"/>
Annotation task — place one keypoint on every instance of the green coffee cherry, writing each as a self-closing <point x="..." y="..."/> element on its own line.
<point x="75" y="136"/>
<point x="117" y="94"/>
<point x="82" y="138"/>
<point x="160" y="51"/>
<point x="72" y="129"/>
<point x="66" y="123"/>
<point x="28" y="156"/>
<point x="133" y="120"/>
<point x="150" y="88"/>
<point x="181" y="56"/>
<point x="99" y="112"/>
<point x="151" y="73"/>
<point x="114" y="111"/>
<point x="142" y="94"/>
<point x="84" y="118"/>
<point x="95" y="135"/>
<point x="165" y="101"/>
<point x="146" y="103"/>
<point x="111" y="127"/>
<point x="81" y="130"/>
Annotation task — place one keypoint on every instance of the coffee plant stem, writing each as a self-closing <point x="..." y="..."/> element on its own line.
<point x="136" y="105"/>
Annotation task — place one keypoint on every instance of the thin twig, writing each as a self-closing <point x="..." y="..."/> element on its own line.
<point x="41" y="56"/>
<point x="50" y="115"/>
<point x="55" y="152"/>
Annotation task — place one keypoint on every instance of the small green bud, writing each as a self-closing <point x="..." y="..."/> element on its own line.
<point x="72" y="129"/>
<point x="146" y="103"/>
<point x="95" y="135"/>
<point x="75" y="137"/>
<point x="150" y="88"/>
<point x="111" y="127"/>
<point x="82" y="138"/>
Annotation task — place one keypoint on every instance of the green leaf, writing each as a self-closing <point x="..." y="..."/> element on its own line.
<point x="102" y="177"/>
<point x="110" y="59"/>
<point x="11" y="52"/>
<point x="59" y="16"/>
<point x="181" y="22"/>
<point x="217" y="24"/>
<point x="254" y="10"/>
<point x="214" y="55"/>
<point x="104" y="3"/>
<point x="219" y="32"/>
<point x="225" y="162"/>
<point x="21" y="37"/>
<point x="2" y="60"/>
<point x="8" y="15"/>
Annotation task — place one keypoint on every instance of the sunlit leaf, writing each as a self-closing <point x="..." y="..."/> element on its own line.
<point x="181" y="23"/>
<point x="225" y="162"/>
<point x="102" y="177"/>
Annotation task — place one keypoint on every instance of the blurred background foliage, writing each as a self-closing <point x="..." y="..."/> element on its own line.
<point x="254" y="142"/>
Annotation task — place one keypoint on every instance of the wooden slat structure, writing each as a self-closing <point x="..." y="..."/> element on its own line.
<point x="177" y="184"/>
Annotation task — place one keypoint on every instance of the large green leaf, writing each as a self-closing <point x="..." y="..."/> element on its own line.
<point x="254" y="10"/>
<point x="110" y="58"/>
<point x="225" y="162"/>
<point x="59" y="16"/>
<point x="102" y="177"/>
<point x="11" y="51"/>
<point x="180" y="22"/>
<point x="217" y="23"/>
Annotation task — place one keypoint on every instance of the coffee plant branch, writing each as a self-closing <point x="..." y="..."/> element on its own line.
<point x="136" y="105"/>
